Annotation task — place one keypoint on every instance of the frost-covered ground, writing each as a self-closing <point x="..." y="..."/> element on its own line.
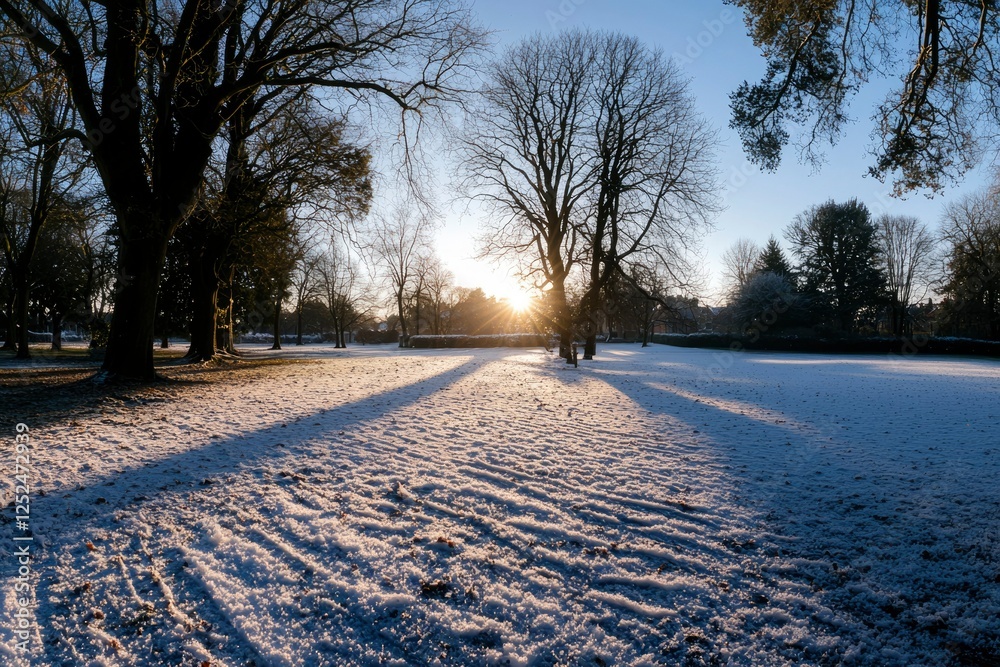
<point x="663" y="506"/>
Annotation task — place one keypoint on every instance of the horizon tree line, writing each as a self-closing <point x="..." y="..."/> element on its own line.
<point x="853" y="272"/>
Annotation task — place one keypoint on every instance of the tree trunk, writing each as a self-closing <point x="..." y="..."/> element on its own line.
<point x="204" y="321"/>
<point x="94" y="344"/>
<point x="204" y="307"/>
<point x="402" y="319"/>
<point x="562" y="318"/>
<point x="130" y="341"/>
<point x="221" y="333"/>
<point x="591" y="314"/>
<point x="10" y="340"/>
<point x="226" y="335"/>
<point x="900" y="320"/>
<point x="21" y="316"/>
<point x="57" y="320"/>
<point x="298" y="324"/>
<point x="277" y="325"/>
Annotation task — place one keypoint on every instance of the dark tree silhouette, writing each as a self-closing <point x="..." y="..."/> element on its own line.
<point x="654" y="177"/>
<point x="971" y="288"/>
<point x="907" y="250"/>
<point x="339" y="280"/>
<point x="772" y="259"/>
<point x="840" y="261"/>
<point x="34" y="124"/>
<point x="933" y="128"/>
<point x="281" y="158"/>
<point x="60" y="266"/>
<point x="155" y="82"/>
<point x="523" y="157"/>
<point x="590" y="151"/>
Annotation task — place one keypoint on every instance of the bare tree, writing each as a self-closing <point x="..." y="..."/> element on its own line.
<point x="100" y="252"/>
<point x="155" y="82"/>
<point x="591" y="151"/>
<point x="60" y="265"/>
<point x="38" y="167"/>
<point x="285" y="163"/>
<point x="907" y="249"/>
<point x="274" y="263"/>
<point x="641" y="296"/>
<point x="523" y="157"/>
<point x="440" y="295"/>
<point x="654" y="181"/>
<point x="398" y="240"/>
<point x="418" y="292"/>
<point x="339" y="279"/>
<point x="971" y="285"/>
<point x="305" y="285"/>
<point x="281" y="154"/>
<point x="739" y="263"/>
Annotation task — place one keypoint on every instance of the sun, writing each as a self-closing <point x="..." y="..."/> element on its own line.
<point x="520" y="301"/>
<point x="508" y="290"/>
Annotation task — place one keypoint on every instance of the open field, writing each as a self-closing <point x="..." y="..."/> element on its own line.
<point x="377" y="506"/>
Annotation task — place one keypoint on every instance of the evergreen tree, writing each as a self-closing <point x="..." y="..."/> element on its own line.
<point x="768" y="302"/>
<point x="934" y="126"/>
<point x="772" y="259"/>
<point x="840" y="261"/>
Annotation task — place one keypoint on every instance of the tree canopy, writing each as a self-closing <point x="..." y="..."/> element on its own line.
<point x="154" y="83"/>
<point x="935" y="125"/>
<point x="840" y="260"/>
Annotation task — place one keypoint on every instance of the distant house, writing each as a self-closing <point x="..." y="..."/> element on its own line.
<point x="684" y="316"/>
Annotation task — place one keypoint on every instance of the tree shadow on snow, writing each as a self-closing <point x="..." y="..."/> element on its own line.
<point x="889" y="556"/>
<point x="69" y="520"/>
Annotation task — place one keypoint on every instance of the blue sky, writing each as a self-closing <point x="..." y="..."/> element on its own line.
<point x="709" y="40"/>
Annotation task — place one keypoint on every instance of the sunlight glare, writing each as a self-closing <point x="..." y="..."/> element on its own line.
<point x="520" y="301"/>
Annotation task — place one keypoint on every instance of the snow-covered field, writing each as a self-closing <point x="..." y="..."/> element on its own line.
<point x="657" y="506"/>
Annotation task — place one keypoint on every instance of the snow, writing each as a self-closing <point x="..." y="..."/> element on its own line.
<point x="659" y="506"/>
